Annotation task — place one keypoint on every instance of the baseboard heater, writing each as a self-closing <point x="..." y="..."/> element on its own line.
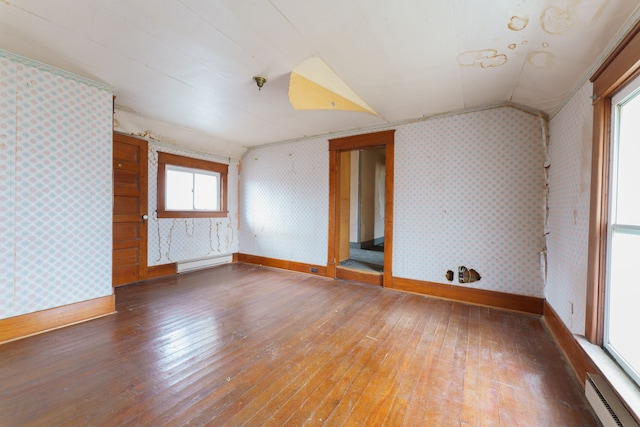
<point x="200" y="263"/>
<point x="606" y="404"/>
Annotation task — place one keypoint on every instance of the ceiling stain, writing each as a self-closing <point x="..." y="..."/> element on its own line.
<point x="485" y="58"/>
<point x="545" y="45"/>
<point x="512" y="46"/>
<point x="540" y="59"/>
<point x="558" y="20"/>
<point x="595" y="14"/>
<point x="517" y="23"/>
<point x="555" y="20"/>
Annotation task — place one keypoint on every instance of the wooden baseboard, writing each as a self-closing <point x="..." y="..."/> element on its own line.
<point x="25" y="325"/>
<point x="575" y="354"/>
<point x="471" y="295"/>
<point x="234" y="257"/>
<point x="286" y="265"/>
<point x="161" y="270"/>
<point x="372" y="278"/>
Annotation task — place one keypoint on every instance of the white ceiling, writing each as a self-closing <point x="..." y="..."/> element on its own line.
<point x="189" y="64"/>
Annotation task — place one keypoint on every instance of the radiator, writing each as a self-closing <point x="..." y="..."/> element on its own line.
<point x="197" y="264"/>
<point x="605" y="403"/>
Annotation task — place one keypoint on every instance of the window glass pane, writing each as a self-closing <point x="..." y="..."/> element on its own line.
<point x="628" y="171"/>
<point x="191" y="188"/>
<point x="206" y="192"/>
<point x="179" y="191"/>
<point x="623" y="295"/>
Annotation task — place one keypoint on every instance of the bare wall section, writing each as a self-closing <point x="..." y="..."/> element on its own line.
<point x="354" y="205"/>
<point x="55" y="187"/>
<point x="371" y="191"/>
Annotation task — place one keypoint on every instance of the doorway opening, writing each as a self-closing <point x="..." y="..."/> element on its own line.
<point x="361" y="207"/>
<point x="366" y="210"/>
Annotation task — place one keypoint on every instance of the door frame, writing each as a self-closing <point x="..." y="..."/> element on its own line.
<point x="337" y="149"/>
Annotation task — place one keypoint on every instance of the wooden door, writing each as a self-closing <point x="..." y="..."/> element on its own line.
<point x="129" y="209"/>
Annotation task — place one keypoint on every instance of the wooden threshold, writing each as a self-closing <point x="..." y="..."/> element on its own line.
<point x="25" y="325"/>
<point x="370" y="277"/>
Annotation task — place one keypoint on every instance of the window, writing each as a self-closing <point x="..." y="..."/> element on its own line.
<point x="622" y="284"/>
<point x="191" y="188"/>
<point x="614" y="238"/>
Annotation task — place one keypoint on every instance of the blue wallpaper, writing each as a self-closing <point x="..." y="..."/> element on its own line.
<point x="55" y="192"/>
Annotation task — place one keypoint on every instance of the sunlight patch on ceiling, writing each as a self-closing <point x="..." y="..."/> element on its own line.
<point x="315" y="86"/>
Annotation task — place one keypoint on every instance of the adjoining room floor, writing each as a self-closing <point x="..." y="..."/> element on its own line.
<point x="365" y="259"/>
<point x="247" y="345"/>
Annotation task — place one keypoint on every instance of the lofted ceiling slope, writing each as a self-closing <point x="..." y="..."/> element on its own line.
<point x="183" y="69"/>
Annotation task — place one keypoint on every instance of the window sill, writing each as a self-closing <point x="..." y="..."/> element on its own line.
<point x="626" y="389"/>
<point x="194" y="214"/>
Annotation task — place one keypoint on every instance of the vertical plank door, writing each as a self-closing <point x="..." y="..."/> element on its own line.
<point x="129" y="209"/>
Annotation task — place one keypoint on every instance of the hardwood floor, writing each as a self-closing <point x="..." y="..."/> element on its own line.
<point x="247" y="345"/>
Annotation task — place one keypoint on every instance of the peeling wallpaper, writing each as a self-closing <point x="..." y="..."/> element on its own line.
<point x="569" y="198"/>
<point x="468" y="191"/>
<point x="178" y="239"/>
<point x="55" y="187"/>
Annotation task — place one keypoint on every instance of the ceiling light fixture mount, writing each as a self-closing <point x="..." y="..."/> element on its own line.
<point x="260" y="81"/>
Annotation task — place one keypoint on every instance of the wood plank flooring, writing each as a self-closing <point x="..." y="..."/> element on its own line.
<point x="246" y="345"/>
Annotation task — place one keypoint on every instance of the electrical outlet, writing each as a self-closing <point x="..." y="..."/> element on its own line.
<point x="314" y="270"/>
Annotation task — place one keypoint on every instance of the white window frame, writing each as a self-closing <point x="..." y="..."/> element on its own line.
<point x="629" y="92"/>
